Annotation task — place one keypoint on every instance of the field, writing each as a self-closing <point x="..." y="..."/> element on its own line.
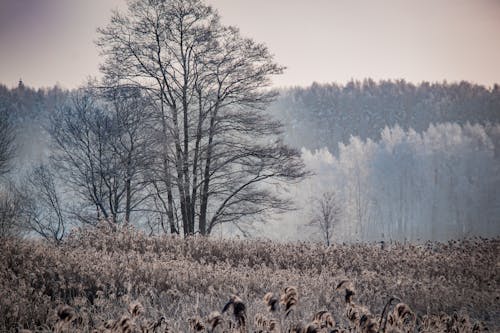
<point x="124" y="281"/>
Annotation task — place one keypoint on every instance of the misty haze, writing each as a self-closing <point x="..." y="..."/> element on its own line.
<point x="236" y="166"/>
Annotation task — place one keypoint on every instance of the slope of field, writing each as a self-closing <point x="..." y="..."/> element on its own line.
<point x="128" y="280"/>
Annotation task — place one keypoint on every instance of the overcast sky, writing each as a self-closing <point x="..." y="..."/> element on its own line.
<point x="45" y="42"/>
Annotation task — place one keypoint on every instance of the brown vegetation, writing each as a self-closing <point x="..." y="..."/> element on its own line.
<point x="103" y="281"/>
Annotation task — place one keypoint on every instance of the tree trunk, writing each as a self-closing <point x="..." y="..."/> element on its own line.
<point x="179" y="163"/>
<point x="196" y="158"/>
<point x="206" y="179"/>
<point x="166" y="171"/>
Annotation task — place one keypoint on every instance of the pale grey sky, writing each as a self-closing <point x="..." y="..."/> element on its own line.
<point x="45" y="42"/>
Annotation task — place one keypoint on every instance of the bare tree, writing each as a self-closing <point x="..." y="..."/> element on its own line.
<point x="41" y="207"/>
<point x="130" y="143"/>
<point x="10" y="212"/>
<point x="219" y="151"/>
<point x="325" y="213"/>
<point x="101" y="146"/>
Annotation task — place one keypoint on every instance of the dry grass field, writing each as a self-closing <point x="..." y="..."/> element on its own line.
<point x="124" y="281"/>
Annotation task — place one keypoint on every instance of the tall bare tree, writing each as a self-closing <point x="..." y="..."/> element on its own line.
<point x="219" y="149"/>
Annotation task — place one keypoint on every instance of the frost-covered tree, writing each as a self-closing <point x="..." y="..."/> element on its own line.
<point x="354" y="170"/>
<point x="440" y="184"/>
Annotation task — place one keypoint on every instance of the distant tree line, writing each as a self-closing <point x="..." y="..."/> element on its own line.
<point x="443" y="183"/>
<point x="25" y="105"/>
<point x="322" y="115"/>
